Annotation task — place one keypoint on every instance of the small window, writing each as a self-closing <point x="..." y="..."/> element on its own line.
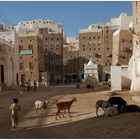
<point x="20" y="48"/>
<point x="31" y="65"/>
<point x="21" y="66"/>
<point x="107" y="48"/>
<point x="83" y="49"/>
<point x="52" y="39"/>
<point x="90" y="49"/>
<point x="30" y="47"/>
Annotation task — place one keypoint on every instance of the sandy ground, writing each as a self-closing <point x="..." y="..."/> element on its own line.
<point x="83" y="124"/>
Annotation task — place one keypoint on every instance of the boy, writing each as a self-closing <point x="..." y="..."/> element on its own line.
<point x="29" y="85"/>
<point x="14" y="114"/>
<point x="35" y="85"/>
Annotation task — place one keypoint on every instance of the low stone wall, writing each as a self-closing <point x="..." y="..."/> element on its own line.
<point x="136" y="98"/>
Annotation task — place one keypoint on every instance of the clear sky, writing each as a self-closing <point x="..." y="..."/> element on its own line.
<point x="73" y="15"/>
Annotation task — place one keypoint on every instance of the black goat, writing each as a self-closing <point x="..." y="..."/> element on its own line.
<point x="131" y="108"/>
<point x="119" y="101"/>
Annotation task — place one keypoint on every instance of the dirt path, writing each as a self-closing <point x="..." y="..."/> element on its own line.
<point x="83" y="124"/>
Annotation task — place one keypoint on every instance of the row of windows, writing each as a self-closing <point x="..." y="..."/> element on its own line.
<point x="35" y="22"/>
<point x="22" y="40"/>
<point x="29" y="47"/>
<point x="31" y="57"/>
<point x="94" y="49"/>
<point x="127" y="40"/>
<point x="108" y="64"/>
<point x="52" y="39"/>
<point x="99" y="37"/>
<point x="57" y="44"/>
<point x="93" y="44"/>
<point x="22" y="66"/>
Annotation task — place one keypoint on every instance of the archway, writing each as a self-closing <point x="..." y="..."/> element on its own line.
<point x="2" y="70"/>
<point x="11" y="71"/>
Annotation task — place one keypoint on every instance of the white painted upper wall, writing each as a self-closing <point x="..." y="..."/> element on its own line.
<point x="73" y="41"/>
<point x="122" y="22"/>
<point x="24" y="26"/>
<point x="8" y="33"/>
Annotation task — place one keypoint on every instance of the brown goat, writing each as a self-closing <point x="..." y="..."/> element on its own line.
<point x="64" y="105"/>
<point x="101" y="104"/>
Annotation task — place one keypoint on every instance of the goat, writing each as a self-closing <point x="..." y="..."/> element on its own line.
<point x="41" y="105"/>
<point x="131" y="108"/>
<point x="101" y="104"/>
<point x="110" y="111"/>
<point x="120" y="102"/>
<point x="64" y="105"/>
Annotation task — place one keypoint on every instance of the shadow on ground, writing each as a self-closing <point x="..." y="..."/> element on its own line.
<point x="121" y="126"/>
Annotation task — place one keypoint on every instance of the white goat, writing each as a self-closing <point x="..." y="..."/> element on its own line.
<point x="110" y="111"/>
<point x="41" y="105"/>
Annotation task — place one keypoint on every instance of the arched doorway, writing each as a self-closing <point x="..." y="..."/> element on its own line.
<point x="11" y="72"/>
<point x="2" y="70"/>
